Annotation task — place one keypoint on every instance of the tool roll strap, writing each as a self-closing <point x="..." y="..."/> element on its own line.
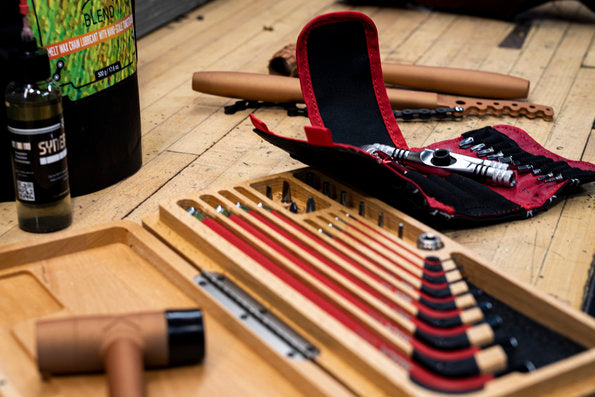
<point x="341" y="80"/>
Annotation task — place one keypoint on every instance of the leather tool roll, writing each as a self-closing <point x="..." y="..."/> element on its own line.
<point x="348" y="106"/>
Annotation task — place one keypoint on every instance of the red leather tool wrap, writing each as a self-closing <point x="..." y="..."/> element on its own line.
<point x="373" y="53"/>
<point x="341" y="79"/>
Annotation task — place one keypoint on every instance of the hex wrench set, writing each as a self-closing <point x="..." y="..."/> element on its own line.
<point x="370" y="288"/>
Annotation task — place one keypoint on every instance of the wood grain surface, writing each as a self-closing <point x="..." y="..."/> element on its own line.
<point x="189" y="144"/>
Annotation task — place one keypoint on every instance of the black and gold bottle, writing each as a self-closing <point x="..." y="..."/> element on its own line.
<point x="37" y="144"/>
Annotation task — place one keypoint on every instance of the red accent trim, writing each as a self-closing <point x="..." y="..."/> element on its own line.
<point x="439" y="313"/>
<point x="375" y="69"/>
<point x="444" y="355"/>
<point x="434" y="299"/>
<point x="529" y="193"/>
<point x="424" y="271"/>
<point x="345" y="257"/>
<point x="433" y="203"/>
<point x="421" y="325"/>
<point x="319" y="136"/>
<point x="443" y="384"/>
<point x="370" y="311"/>
<point x="420" y="374"/>
<point x="23" y="7"/>
<point x="528" y="144"/>
<point x="257" y="123"/>
<point x="400" y="245"/>
<point x="441" y="331"/>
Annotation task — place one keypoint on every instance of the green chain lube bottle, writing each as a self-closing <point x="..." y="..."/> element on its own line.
<point x="38" y="145"/>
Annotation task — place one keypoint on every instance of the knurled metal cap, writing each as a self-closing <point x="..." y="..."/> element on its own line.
<point x="429" y="241"/>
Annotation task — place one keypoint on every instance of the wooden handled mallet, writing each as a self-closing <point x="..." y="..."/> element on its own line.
<point x="122" y="345"/>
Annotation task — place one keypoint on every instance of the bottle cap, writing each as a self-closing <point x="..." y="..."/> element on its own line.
<point x="32" y="63"/>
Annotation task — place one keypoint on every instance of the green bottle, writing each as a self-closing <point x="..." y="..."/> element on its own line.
<point x="37" y="144"/>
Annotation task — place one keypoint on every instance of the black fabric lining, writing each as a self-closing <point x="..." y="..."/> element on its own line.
<point x="342" y="82"/>
<point x="473" y="203"/>
<point x="500" y="142"/>
<point x="464" y="195"/>
<point x="536" y="343"/>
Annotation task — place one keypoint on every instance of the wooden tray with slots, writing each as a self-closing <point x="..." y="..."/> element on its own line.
<point x="323" y="207"/>
<point x="119" y="268"/>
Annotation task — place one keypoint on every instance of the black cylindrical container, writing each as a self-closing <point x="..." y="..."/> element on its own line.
<point x="92" y="49"/>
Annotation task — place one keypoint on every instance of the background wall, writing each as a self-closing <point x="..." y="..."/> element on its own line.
<point x="151" y="14"/>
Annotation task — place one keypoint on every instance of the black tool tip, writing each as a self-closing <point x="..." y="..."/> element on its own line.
<point x="485" y="306"/>
<point x="293" y="207"/>
<point x="494" y="321"/>
<point x="310" y="205"/>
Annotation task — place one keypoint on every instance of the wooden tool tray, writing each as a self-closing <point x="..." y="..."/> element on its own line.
<point x="259" y="206"/>
<point x="121" y="267"/>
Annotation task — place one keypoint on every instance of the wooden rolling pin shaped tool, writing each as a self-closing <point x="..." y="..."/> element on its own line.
<point x="281" y="89"/>
<point x="474" y="83"/>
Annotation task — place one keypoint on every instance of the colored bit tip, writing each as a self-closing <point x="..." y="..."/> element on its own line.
<point x="241" y="206"/>
<point x="286" y="193"/>
<point x="380" y="219"/>
<point x="332" y="225"/>
<point x="557" y="178"/>
<point x="222" y="211"/>
<point x="495" y="156"/>
<point x="524" y="169"/>
<point x="321" y="231"/>
<point x="466" y="143"/>
<point x="264" y="207"/>
<point x="485" y="152"/>
<point x="195" y="213"/>
<point x="505" y="160"/>
<point x="340" y="220"/>
<point x="310" y="205"/>
<point x="478" y="147"/>
<point x="362" y="208"/>
<point x="293" y="208"/>
<point x="546" y="176"/>
<point x="400" y="231"/>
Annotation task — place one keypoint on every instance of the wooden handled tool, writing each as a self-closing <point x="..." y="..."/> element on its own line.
<point x="270" y="88"/>
<point x="299" y="269"/>
<point x="121" y="344"/>
<point x="466" y="82"/>
<point x="458" y="81"/>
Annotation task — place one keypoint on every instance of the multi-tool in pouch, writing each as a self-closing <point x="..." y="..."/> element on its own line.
<point x="487" y="175"/>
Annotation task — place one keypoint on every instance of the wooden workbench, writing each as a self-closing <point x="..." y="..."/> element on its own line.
<point x="190" y="144"/>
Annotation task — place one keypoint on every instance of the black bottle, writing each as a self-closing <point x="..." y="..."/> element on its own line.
<point x="37" y="144"/>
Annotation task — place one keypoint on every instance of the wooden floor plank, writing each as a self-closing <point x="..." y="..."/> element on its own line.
<point x="420" y="40"/>
<point x="564" y="272"/>
<point x="152" y="44"/>
<point x="115" y="202"/>
<point x="187" y="41"/>
<point x="173" y="123"/>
